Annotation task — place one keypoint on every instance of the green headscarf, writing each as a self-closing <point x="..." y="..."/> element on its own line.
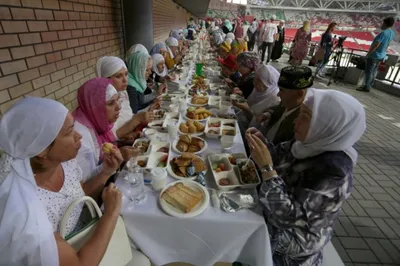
<point x="228" y="25"/>
<point x="137" y="64"/>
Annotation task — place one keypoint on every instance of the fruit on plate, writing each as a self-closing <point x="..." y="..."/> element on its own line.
<point x="198" y="113"/>
<point x="224" y="182"/>
<point x="182" y="197"/>
<point x="191" y="127"/>
<point x="232" y="160"/>
<point x="218" y="167"/>
<point x="187" y="165"/>
<point x="107" y="147"/>
<point x="199" y="100"/>
<point x="186" y="143"/>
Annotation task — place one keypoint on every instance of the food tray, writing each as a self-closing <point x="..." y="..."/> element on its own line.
<point x="231" y="171"/>
<point x="171" y="172"/>
<point x="224" y="125"/>
<point x="142" y="140"/>
<point x="214" y="101"/>
<point x="159" y="114"/>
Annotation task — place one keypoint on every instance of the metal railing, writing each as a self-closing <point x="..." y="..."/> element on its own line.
<point x="392" y="75"/>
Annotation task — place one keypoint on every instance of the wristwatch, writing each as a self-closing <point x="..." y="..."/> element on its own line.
<point x="268" y="168"/>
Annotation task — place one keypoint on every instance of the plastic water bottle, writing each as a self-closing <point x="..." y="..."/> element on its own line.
<point x="136" y="183"/>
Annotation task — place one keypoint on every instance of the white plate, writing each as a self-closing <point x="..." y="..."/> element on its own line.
<point x="200" y="208"/>
<point x="189" y="102"/>
<point x="191" y="134"/>
<point x="171" y="173"/>
<point x="199" y="152"/>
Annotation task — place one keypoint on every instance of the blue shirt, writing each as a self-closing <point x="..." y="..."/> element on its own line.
<point x="384" y="38"/>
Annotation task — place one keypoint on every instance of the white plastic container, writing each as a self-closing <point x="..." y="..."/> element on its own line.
<point x="158" y="178"/>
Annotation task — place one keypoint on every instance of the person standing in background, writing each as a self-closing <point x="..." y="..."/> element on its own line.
<point x="267" y="36"/>
<point x="279" y="41"/>
<point x="377" y="53"/>
<point x="327" y="44"/>
<point x="301" y="42"/>
<point x="252" y="34"/>
<point x="239" y="29"/>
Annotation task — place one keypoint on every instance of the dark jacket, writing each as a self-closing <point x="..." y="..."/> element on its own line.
<point x="286" y="128"/>
<point x="139" y="101"/>
<point x="246" y="85"/>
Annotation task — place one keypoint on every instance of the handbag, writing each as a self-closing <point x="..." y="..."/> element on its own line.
<point x="320" y="54"/>
<point x="118" y="251"/>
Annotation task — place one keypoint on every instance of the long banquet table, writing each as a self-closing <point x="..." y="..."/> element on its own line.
<point x="213" y="236"/>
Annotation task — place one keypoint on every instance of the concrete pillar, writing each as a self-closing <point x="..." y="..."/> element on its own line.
<point x="138" y="22"/>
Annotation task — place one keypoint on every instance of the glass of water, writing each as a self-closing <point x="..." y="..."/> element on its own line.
<point x="136" y="183"/>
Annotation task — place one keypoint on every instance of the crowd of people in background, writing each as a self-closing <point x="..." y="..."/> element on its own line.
<point x="301" y="139"/>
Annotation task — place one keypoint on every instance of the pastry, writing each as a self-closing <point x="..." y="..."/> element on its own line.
<point x="107" y="147"/>
<point x="182" y="197"/>
<point x="182" y="146"/>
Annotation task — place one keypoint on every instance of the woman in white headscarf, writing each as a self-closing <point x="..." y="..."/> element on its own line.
<point x="306" y="180"/>
<point x="136" y="48"/>
<point x="230" y="35"/>
<point x="38" y="181"/>
<point x="172" y="58"/>
<point x="263" y="96"/>
<point x="160" y="70"/>
<point x="114" y="68"/>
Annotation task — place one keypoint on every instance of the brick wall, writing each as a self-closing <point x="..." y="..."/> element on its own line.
<point x="48" y="48"/>
<point x="167" y="16"/>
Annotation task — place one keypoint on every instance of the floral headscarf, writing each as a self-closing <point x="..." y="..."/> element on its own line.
<point x="248" y="59"/>
<point x="225" y="46"/>
<point x="240" y="45"/>
<point x="137" y="64"/>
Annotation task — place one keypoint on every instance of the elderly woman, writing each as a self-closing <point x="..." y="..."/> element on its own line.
<point x="159" y="48"/>
<point x="247" y="62"/>
<point x="264" y="96"/>
<point x="114" y="68"/>
<point x="172" y="58"/>
<point x="306" y="181"/>
<point x="97" y="111"/>
<point x="159" y="70"/>
<point x="39" y="180"/>
<point x="139" y="68"/>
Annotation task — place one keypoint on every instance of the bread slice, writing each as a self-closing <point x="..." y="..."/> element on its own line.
<point x="182" y="197"/>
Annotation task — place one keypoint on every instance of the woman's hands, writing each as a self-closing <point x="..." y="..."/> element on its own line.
<point x="144" y="117"/>
<point x="236" y="90"/>
<point x="259" y="151"/>
<point x="112" y="161"/>
<point x="242" y="106"/>
<point x="112" y="199"/>
<point x="128" y="152"/>
<point x="161" y="89"/>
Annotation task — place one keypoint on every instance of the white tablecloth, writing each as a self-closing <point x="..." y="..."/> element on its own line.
<point x="213" y="236"/>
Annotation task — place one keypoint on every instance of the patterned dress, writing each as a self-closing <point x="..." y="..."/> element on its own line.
<point x="301" y="205"/>
<point x="301" y="41"/>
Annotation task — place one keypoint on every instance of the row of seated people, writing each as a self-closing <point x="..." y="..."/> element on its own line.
<point x="301" y="139"/>
<point x="52" y="157"/>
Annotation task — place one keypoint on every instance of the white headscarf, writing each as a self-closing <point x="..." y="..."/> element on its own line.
<point x="337" y="123"/>
<point x="26" y="234"/>
<point x="109" y="65"/>
<point x="157" y="58"/>
<point x="136" y="48"/>
<point x="229" y="40"/>
<point x="171" y="41"/>
<point x="230" y="35"/>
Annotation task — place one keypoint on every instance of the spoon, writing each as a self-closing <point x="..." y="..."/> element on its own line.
<point x="244" y="167"/>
